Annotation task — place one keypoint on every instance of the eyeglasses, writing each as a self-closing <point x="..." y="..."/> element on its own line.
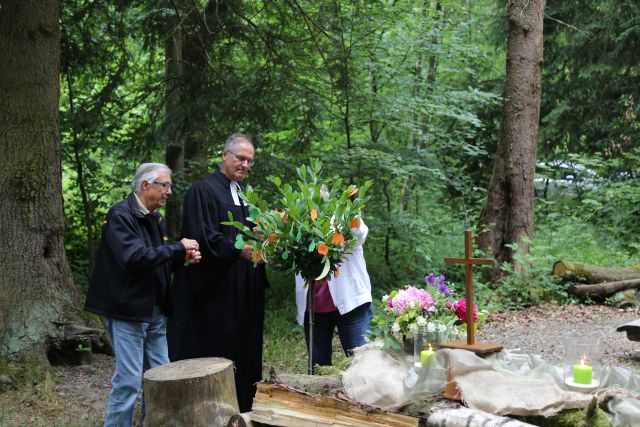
<point x="165" y="185"/>
<point x="243" y="159"/>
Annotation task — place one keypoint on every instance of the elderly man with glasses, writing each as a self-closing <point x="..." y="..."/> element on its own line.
<point x="129" y="285"/>
<point x="219" y="304"/>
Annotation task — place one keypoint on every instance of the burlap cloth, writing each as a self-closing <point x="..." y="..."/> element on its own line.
<point x="507" y="383"/>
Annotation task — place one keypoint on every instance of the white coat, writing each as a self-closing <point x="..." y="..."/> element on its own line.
<point x="352" y="287"/>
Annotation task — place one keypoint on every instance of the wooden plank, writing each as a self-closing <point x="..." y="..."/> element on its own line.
<point x="478" y="348"/>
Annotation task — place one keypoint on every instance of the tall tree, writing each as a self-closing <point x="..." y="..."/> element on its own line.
<point x="508" y="217"/>
<point x="35" y="285"/>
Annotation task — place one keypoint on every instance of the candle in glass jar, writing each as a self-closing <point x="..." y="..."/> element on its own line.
<point x="425" y="354"/>
<point x="582" y="373"/>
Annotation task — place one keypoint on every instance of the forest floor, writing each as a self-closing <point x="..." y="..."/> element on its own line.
<point x="77" y="395"/>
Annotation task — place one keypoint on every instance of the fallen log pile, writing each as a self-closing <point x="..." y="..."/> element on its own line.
<point x="594" y="280"/>
<point x="305" y="401"/>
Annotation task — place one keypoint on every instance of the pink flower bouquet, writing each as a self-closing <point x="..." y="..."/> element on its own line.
<point x="403" y="311"/>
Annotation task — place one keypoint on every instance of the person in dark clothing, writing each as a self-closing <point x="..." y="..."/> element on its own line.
<point x="129" y="284"/>
<point x="218" y="305"/>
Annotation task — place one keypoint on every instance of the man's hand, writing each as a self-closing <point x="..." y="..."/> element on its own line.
<point x="193" y="255"/>
<point x="190" y="245"/>
<point x="246" y="252"/>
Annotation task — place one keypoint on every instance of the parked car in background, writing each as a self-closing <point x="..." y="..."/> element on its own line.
<point x="561" y="178"/>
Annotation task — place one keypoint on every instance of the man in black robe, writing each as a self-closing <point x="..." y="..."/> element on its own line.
<point x="218" y="305"/>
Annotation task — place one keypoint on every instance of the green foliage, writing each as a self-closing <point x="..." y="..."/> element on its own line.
<point x="404" y="94"/>
<point x="386" y="92"/>
<point x="533" y="283"/>
<point x="584" y="229"/>
<point x="571" y="418"/>
<point x="591" y="77"/>
<point x="343" y="363"/>
<point x="284" y="345"/>
<point x="309" y="230"/>
<point x="83" y="348"/>
<point x="601" y="228"/>
<point x="27" y="372"/>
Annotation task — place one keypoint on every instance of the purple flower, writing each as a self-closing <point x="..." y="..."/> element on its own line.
<point x="438" y="283"/>
<point x="443" y="288"/>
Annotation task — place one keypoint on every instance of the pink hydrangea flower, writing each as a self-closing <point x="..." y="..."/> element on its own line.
<point x="411" y="295"/>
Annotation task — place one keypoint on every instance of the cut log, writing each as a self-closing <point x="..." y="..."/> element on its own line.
<point x="192" y="392"/>
<point x="606" y="288"/>
<point x="279" y="405"/>
<point x="588" y="273"/>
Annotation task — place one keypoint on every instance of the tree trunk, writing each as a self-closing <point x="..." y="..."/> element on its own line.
<point x="507" y="217"/>
<point x="592" y="273"/>
<point x="174" y="118"/>
<point x="191" y="392"/>
<point x="36" y="285"/>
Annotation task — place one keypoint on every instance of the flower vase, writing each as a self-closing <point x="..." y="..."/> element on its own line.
<point x="426" y="341"/>
<point x="407" y="345"/>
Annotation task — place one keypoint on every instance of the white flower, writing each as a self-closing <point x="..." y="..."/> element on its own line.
<point x="385" y="298"/>
<point x="421" y="321"/>
<point x="413" y="328"/>
<point x="395" y="328"/>
<point x="431" y="327"/>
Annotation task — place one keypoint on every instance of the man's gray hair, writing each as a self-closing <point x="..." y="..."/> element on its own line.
<point x="236" y="138"/>
<point x="148" y="172"/>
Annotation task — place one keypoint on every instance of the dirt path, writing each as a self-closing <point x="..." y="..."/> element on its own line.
<point x="540" y="330"/>
<point x="78" y="395"/>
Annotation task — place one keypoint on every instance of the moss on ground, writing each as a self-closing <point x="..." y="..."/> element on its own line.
<point x="591" y="416"/>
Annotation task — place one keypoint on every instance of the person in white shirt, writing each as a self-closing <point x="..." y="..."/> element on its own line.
<point x="344" y="302"/>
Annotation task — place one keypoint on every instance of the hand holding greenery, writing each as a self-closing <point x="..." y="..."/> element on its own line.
<point x="310" y="231"/>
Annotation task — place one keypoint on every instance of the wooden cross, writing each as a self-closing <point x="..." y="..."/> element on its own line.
<point x="468" y="261"/>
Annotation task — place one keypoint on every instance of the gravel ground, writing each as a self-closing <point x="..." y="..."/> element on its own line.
<point x="540" y="330"/>
<point x="83" y="390"/>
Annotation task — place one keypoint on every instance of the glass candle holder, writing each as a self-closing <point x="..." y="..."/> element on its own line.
<point x="426" y="341"/>
<point x="582" y="363"/>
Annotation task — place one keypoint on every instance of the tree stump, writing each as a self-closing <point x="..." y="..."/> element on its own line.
<point x="192" y="392"/>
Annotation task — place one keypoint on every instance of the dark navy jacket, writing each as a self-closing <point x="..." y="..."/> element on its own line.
<point x="133" y="265"/>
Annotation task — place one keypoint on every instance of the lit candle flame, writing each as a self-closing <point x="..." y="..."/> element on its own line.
<point x="430" y="349"/>
<point x="583" y="359"/>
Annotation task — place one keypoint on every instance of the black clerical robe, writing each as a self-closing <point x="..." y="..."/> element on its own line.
<point x="218" y="304"/>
